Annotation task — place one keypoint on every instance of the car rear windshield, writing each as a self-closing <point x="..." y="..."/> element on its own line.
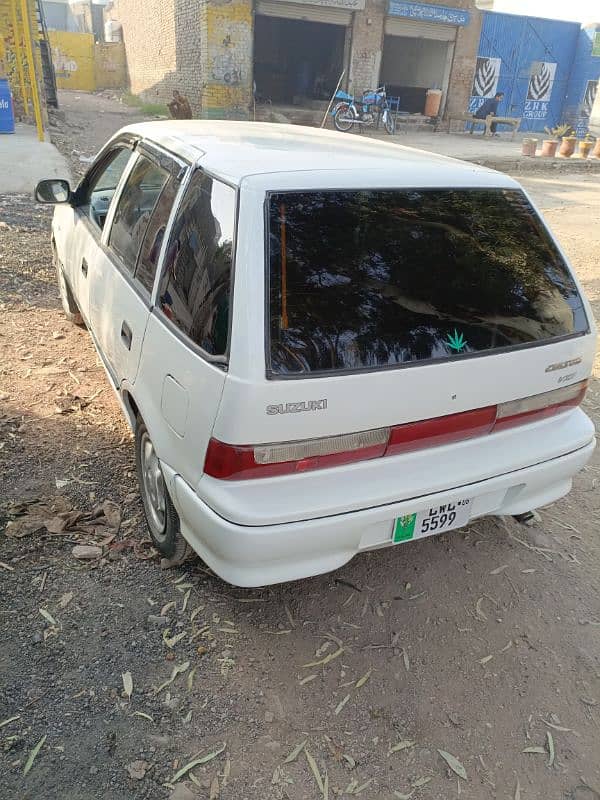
<point x="382" y="278"/>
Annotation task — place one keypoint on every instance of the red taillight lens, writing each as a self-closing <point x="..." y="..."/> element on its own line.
<point x="441" y="430"/>
<point x="238" y="462"/>
<point x="229" y="462"/>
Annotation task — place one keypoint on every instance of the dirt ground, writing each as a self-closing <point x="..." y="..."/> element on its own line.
<point x="115" y="675"/>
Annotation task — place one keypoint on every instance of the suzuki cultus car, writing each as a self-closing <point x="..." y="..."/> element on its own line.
<point x="324" y="345"/>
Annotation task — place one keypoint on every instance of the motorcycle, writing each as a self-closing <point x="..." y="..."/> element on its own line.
<point x="371" y="110"/>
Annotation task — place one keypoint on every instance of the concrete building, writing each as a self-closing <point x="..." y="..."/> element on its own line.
<point x="75" y="16"/>
<point x="218" y="51"/>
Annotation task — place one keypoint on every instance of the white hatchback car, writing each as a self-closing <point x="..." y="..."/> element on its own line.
<point x="324" y="345"/>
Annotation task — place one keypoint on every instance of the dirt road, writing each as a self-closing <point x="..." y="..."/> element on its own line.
<point x="483" y="644"/>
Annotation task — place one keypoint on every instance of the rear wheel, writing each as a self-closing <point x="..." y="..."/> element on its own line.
<point x="389" y="122"/>
<point x="161" y="517"/>
<point x="70" y="308"/>
<point x="343" y="119"/>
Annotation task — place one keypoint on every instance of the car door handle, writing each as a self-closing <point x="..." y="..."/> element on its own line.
<point x="126" y="335"/>
<point x="84" y="267"/>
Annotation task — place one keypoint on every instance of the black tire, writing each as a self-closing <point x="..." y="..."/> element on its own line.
<point x="70" y="307"/>
<point x="343" y="119"/>
<point x="166" y="538"/>
<point x="390" y="123"/>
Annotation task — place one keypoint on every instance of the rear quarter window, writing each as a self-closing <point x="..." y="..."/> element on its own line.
<point x="194" y="290"/>
<point x="381" y="278"/>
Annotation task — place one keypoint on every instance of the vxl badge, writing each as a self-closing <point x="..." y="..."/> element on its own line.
<point x="296" y="408"/>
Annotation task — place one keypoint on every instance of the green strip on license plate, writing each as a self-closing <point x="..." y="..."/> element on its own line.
<point x="404" y="528"/>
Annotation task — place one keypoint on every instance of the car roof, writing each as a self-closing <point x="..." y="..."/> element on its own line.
<point x="236" y="151"/>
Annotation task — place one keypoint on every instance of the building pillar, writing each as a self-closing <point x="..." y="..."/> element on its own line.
<point x="465" y="58"/>
<point x="226" y="45"/>
<point x="367" y="46"/>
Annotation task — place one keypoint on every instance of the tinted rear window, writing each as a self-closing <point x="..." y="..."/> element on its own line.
<point x="372" y="279"/>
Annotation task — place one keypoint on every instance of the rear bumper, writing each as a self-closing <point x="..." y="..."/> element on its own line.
<point x="260" y="555"/>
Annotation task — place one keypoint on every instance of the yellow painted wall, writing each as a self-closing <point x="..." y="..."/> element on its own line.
<point x="227" y="47"/>
<point x="82" y="65"/>
<point x="73" y="57"/>
<point x="110" y="65"/>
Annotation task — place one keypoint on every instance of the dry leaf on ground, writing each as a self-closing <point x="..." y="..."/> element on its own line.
<point x="454" y="764"/>
<point x="196" y="763"/>
<point x="127" y="683"/>
<point x="33" y="755"/>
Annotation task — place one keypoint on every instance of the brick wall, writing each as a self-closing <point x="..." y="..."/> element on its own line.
<point x="162" y="47"/>
<point x="465" y="58"/>
<point x="367" y="42"/>
<point x="226" y="47"/>
<point x="188" y="49"/>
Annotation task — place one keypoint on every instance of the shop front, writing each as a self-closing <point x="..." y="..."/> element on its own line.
<point x="418" y="52"/>
<point x="301" y="49"/>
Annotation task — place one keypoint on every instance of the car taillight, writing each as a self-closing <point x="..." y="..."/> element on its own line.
<point x="227" y="461"/>
<point x="441" y="430"/>
<point x="238" y="462"/>
<point x="538" y="406"/>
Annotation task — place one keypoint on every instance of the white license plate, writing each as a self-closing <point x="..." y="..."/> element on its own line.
<point x="437" y="519"/>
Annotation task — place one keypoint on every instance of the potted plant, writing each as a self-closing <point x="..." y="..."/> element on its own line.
<point x="549" y="146"/>
<point x="585" y="145"/>
<point x="568" y="142"/>
<point x="528" y="147"/>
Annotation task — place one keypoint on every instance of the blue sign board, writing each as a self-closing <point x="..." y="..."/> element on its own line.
<point x="426" y="13"/>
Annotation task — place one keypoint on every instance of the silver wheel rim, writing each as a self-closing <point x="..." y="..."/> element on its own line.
<point x="344" y="118"/>
<point x="155" y="492"/>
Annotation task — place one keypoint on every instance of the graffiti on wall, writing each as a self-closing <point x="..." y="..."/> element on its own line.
<point x="539" y="91"/>
<point x="63" y="65"/>
<point x="226" y="69"/>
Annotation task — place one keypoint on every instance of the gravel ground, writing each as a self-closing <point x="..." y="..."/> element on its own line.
<point x="115" y="674"/>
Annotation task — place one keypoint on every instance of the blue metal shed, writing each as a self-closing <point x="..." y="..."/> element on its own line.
<point x="583" y="83"/>
<point x="530" y="60"/>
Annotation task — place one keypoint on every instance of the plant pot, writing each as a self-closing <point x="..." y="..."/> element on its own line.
<point x="567" y="147"/>
<point x="596" y="152"/>
<point x="549" y="148"/>
<point x="585" y="148"/>
<point x="528" y="147"/>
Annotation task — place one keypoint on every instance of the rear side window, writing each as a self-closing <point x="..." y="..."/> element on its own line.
<point x="195" y="286"/>
<point x="371" y="279"/>
<point x="136" y="204"/>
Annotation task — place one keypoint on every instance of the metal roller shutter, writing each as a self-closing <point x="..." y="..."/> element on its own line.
<point x="419" y="30"/>
<point x="333" y="16"/>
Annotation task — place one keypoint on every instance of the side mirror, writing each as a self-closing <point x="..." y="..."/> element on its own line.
<point x="53" y="190"/>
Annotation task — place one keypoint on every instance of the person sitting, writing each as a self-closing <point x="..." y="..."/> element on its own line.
<point x="490" y="107"/>
<point x="179" y="106"/>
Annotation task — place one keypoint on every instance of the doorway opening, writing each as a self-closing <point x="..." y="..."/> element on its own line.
<point x="410" y="67"/>
<point x="296" y="60"/>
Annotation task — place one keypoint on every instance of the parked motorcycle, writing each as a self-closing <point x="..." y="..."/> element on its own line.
<point x="371" y="110"/>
